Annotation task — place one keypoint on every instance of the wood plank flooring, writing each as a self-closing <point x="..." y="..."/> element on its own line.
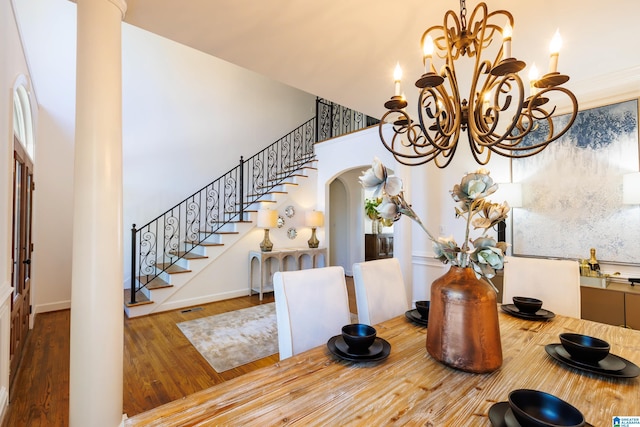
<point x="160" y="365"/>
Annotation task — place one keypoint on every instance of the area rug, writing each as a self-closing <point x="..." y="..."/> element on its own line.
<point x="235" y="338"/>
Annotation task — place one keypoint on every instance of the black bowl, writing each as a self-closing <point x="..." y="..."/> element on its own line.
<point x="585" y="348"/>
<point x="423" y="308"/>
<point x="534" y="408"/>
<point x="527" y="305"/>
<point x="358" y="336"/>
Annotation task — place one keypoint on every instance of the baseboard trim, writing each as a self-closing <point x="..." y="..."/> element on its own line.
<point x="54" y="306"/>
<point x="190" y="302"/>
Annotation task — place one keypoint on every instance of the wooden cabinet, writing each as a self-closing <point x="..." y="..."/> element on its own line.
<point x="618" y="304"/>
<point x="378" y="246"/>
<point x="632" y="310"/>
<point x="602" y="305"/>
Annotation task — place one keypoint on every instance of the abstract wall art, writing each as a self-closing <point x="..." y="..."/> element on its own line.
<point x="572" y="190"/>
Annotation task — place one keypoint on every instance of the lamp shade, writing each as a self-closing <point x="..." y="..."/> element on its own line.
<point x="510" y="192"/>
<point x="631" y="189"/>
<point x="267" y="218"/>
<point x="314" y="219"/>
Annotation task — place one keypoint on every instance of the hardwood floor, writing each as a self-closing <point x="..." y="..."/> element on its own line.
<point x="160" y="365"/>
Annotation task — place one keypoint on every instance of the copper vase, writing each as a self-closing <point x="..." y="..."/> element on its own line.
<point x="463" y="330"/>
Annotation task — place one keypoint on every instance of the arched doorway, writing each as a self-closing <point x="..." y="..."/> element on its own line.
<point x="346" y="219"/>
<point x="339" y="229"/>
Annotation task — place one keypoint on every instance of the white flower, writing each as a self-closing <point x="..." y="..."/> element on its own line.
<point x="393" y="185"/>
<point x="375" y="177"/>
<point x="493" y="214"/>
<point x="388" y="209"/>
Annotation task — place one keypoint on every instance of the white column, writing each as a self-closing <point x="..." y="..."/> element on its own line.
<point x="95" y="389"/>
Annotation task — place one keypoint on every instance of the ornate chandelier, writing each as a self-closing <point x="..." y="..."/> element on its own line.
<point x="498" y="116"/>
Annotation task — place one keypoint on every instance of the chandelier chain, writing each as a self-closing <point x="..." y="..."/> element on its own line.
<point x="463" y="14"/>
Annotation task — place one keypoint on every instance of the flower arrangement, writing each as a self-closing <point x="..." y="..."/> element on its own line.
<point x="371" y="210"/>
<point x="484" y="254"/>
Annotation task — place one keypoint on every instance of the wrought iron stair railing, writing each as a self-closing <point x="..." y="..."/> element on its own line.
<point x="157" y="246"/>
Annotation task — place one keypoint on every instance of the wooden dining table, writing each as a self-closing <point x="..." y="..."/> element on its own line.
<point x="316" y="388"/>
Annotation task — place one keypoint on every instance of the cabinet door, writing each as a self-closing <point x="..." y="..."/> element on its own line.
<point x="602" y="305"/>
<point x="632" y="310"/>
<point x="385" y="246"/>
<point x="370" y="247"/>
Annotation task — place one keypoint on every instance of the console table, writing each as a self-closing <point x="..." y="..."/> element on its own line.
<point x="262" y="265"/>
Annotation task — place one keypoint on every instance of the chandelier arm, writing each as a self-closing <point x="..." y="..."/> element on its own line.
<point x="411" y="143"/>
<point x="476" y="31"/>
<point x="490" y="137"/>
<point x="499" y="16"/>
<point x="439" y="38"/>
<point x="533" y="149"/>
<point x="476" y="102"/>
<point x="476" y="150"/>
<point x="445" y="164"/>
<point x="482" y="123"/>
<point x="447" y="156"/>
<point x="532" y="122"/>
<point x="450" y="36"/>
<point x="444" y="118"/>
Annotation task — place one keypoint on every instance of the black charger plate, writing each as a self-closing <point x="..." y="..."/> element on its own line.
<point x="500" y="415"/>
<point x="558" y="353"/>
<point x="415" y="317"/>
<point x="541" y="314"/>
<point x="354" y="357"/>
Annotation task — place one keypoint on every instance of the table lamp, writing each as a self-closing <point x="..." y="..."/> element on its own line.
<point x="267" y="219"/>
<point x="314" y="219"/>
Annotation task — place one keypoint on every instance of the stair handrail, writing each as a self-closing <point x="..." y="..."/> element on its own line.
<point x="162" y="242"/>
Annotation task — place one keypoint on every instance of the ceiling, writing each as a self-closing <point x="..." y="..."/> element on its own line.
<point x="346" y="50"/>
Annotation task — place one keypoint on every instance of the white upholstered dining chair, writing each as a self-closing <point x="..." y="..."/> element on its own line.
<point x="312" y="306"/>
<point x="555" y="282"/>
<point x="380" y="290"/>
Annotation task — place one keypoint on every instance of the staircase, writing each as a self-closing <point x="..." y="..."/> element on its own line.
<point x="169" y="251"/>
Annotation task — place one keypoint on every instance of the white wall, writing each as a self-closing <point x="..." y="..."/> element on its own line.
<point x="13" y="67"/>
<point x="187" y="119"/>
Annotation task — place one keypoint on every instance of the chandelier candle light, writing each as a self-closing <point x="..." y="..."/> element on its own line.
<point x="497" y="116"/>
<point x="314" y="219"/>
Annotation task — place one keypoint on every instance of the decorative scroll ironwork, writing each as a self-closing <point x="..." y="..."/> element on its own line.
<point x="335" y="120"/>
<point x="179" y="230"/>
<point x="212" y="206"/>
